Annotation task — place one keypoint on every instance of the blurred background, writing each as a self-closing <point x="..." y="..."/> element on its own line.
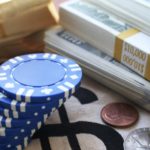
<point x="22" y="25"/>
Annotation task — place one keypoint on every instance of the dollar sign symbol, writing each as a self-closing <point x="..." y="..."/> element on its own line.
<point x="111" y="138"/>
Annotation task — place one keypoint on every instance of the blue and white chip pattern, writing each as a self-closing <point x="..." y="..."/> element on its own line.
<point x="61" y="89"/>
<point x="33" y="86"/>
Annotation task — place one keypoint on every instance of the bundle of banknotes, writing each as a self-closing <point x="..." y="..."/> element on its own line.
<point x="108" y="33"/>
<point x="134" y="12"/>
<point x="99" y="65"/>
<point x="19" y="23"/>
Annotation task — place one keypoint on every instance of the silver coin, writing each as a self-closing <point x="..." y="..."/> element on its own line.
<point x="138" y="139"/>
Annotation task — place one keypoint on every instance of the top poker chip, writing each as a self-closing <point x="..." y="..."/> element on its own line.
<point x="39" y="78"/>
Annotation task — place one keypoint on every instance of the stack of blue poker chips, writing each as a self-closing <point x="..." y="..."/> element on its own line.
<point x="32" y="86"/>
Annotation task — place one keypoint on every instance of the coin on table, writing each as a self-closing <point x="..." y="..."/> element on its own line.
<point x="119" y="114"/>
<point x="138" y="139"/>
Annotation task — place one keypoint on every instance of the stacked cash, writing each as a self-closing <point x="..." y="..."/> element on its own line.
<point x="22" y="24"/>
<point x="99" y="66"/>
<point x="110" y="34"/>
<point x="135" y="12"/>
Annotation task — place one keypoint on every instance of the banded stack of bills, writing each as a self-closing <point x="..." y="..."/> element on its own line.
<point x="108" y="33"/>
<point x="132" y="11"/>
<point x="99" y="66"/>
<point x="22" y="24"/>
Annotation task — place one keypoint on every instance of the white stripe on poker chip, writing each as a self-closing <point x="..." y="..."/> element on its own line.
<point x="46" y="55"/>
<point x="7" y="67"/>
<point x="53" y="56"/>
<point x="46" y="91"/>
<point x="32" y="56"/>
<point x="25" y="141"/>
<point x="23" y="107"/>
<point x="19" y="147"/>
<point x="65" y="76"/>
<point x="3" y="78"/>
<point x="75" y="69"/>
<point x="9" y="85"/>
<point x="2" y="74"/>
<point x="53" y="109"/>
<point x="13" y="105"/>
<point x="64" y="60"/>
<point x="6" y="112"/>
<point x="39" y="125"/>
<point x="74" y="77"/>
<point x="11" y="76"/>
<point x="1" y="118"/>
<point x="73" y="65"/>
<point x="63" y="88"/>
<point x="2" y="132"/>
<point x="19" y="93"/>
<point x="28" y="95"/>
<point x="45" y="117"/>
<point x="60" y="102"/>
<point x="15" y="114"/>
<point x="71" y="86"/>
<point x="8" y="122"/>
<point x="19" y="58"/>
<point x="13" y="61"/>
<point x="32" y="132"/>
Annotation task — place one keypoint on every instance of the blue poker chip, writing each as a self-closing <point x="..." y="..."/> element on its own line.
<point x="38" y="78"/>
<point x="20" y="144"/>
<point x="35" y="113"/>
<point x="16" y="123"/>
<point x="6" y="132"/>
<point x="19" y="115"/>
<point x="5" y="140"/>
<point x="14" y="105"/>
<point x="20" y="140"/>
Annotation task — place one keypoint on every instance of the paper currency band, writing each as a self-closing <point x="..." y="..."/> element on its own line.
<point x="119" y="48"/>
<point x="119" y="42"/>
<point x="147" y="71"/>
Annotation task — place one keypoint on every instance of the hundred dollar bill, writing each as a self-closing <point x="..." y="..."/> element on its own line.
<point x="99" y="66"/>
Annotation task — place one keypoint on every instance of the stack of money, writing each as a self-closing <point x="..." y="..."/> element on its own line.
<point x="110" y="34"/>
<point x="130" y="11"/>
<point x="22" y="24"/>
<point x="99" y="65"/>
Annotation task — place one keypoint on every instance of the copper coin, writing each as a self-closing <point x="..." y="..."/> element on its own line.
<point x="119" y="114"/>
